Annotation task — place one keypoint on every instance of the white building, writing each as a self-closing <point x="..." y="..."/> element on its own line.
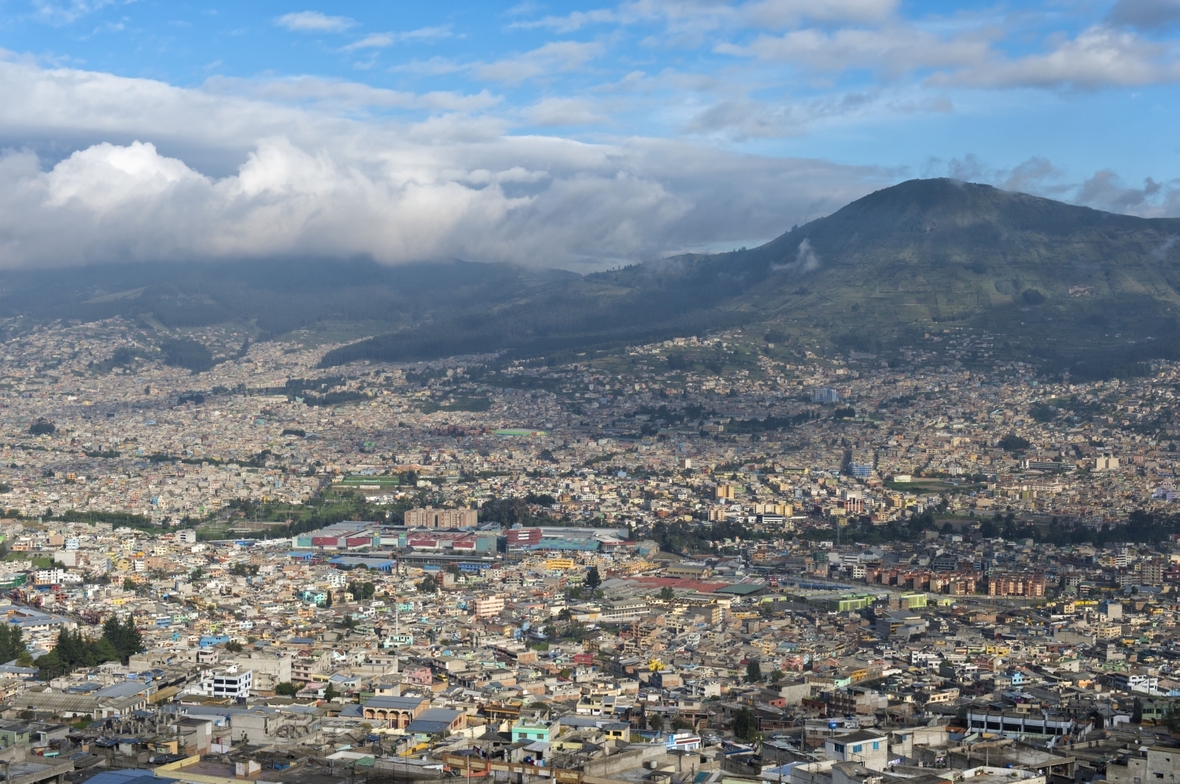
<point x="49" y="576"/>
<point x="869" y="748"/>
<point x="229" y="683"/>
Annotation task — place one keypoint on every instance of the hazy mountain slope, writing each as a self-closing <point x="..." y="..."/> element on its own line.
<point x="1055" y="282"/>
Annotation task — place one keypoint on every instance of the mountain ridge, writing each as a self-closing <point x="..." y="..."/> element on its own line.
<point x="1061" y="284"/>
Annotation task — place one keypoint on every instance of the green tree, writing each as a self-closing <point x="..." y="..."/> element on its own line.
<point x="753" y="672"/>
<point x="233" y="646"/>
<point x="656" y="722"/>
<point x="330" y="693"/>
<point x="327" y="599"/>
<point x="1014" y="443"/>
<point x="744" y="725"/>
<point x="593" y="580"/>
<point x="12" y="643"/>
<point x="777" y="676"/>
<point x="667" y="594"/>
<point x="286" y="689"/>
<point x="428" y="584"/>
<point x="123" y="636"/>
<point x="129" y="584"/>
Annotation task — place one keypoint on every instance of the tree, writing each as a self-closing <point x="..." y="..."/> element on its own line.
<point x="656" y="722"/>
<point x="286" y="689"/>
<point x="428" y="584"/>
<point x="593" y="580"/>
<point x="129" y="584"/>
<point x="744" y="724"/>
<point x="123" y="636"/>
<point x="12" y="644"/>
<point x="330" y="693"/>
<point x="667" y="594"/>
<point x="753" y="672"/>
<point x="1014" y="443"/>
<point x="777" y="676"/>
<point x="233" y="646"/>
<point x="327" y="599"/>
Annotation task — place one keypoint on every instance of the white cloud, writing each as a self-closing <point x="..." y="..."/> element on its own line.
<point x="696" y="17"/>
<point x="779" y="13"/>
<point x="334" y="94"/>
<point x="64" y="13"/>
<point x="564" y="111"/>
<point x="314" y="22"/>
<point x="383" y="40"/>
<point x="299" y="181"/>
<point x="1106" y="191"/>
<point x="1146" y="14"/>
<point x="545" y="60"/>
<point x="1098" y="57"/>
<point x="892" y="50"/>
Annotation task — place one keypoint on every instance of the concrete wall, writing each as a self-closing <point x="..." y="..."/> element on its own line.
<point x="632" y="758"/>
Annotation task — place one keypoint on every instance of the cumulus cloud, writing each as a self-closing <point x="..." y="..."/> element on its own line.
<point x="1106" y="191"/>
<point x="1031" y="175"/>
<point x="293" y="180"/>
<point x="314" y="22"/>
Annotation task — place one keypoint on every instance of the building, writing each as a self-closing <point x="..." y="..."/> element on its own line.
<point x="229" y="683"/>
<point x="487" y="606"/>
<point x="869" y="748"/>
<point x="825" y="395"/>
<point x="1154" y="763"/>
<point x="49" y="576"/>
<point x="396" y="712"/>
<point x="1007" y="584"/>
<point x="441" y="518"/>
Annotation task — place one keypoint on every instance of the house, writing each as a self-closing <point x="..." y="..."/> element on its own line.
<point x="534" y="729"/>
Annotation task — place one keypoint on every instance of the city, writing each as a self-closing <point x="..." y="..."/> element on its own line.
<point x="721" y="555"/>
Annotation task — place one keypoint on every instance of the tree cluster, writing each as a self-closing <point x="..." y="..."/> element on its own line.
<point x="361" y="591"/>
<point x="120" y="639"/>
<point x="12" y="643"/>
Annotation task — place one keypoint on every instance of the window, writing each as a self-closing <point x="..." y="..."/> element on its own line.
<point x="839" y="747"/>
<point x="876" y="745"/>
<point x="857" y="749"/>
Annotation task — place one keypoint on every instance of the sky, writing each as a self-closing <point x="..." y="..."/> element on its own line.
<point x="581" y="135"/>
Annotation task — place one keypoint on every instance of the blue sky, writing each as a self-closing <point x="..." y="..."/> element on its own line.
<point x="580" y="135"/>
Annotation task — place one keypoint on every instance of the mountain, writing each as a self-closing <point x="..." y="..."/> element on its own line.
<point x="1065" y="286"/>
<point x="1062" y="285"/>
